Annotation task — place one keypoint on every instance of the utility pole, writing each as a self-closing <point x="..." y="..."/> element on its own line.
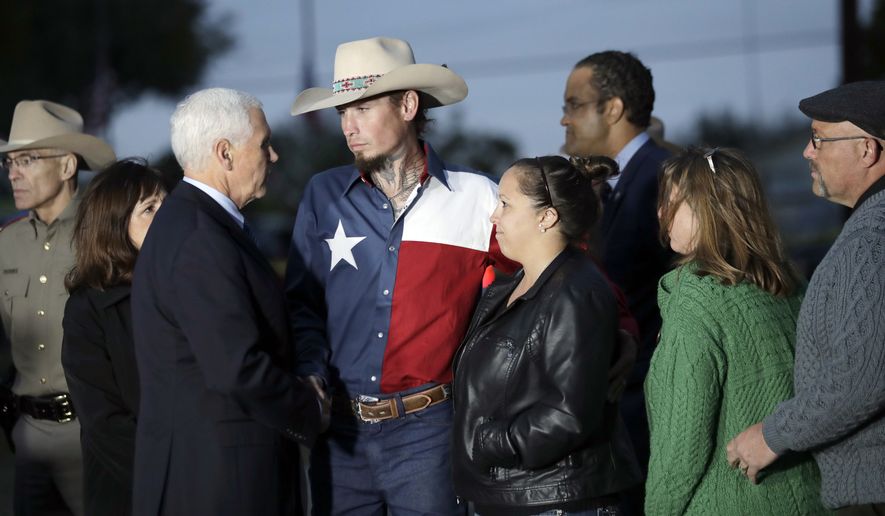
<point x="98" y="98"/>
<point x="853" y="51"/>
<point x="308" y="52"/>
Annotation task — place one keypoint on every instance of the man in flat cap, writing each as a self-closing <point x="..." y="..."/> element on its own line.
<point x="387" y="262"/>
<point x="46" y="149"/>
<point x="838" y="408"/>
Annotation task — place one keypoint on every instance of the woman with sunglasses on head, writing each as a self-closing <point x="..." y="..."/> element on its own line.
<point x="533" y="431"/>
<point x="97" y="351"/>
<point x="725" y="353"/>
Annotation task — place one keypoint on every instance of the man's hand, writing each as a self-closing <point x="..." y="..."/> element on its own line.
<point x="749" y="452"/>
<point x="316" y="383"/>
<point x="618" y="373"/>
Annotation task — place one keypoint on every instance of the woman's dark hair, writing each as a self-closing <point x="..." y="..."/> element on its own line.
<point x="566" y="186"/>
<point x="105" y="256"/>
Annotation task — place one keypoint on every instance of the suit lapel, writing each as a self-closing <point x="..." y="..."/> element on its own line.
<point x="613" y="206"/>
<point x="208" y="205"/>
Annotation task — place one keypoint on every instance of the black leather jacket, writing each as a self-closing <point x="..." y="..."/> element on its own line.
<point x="532" y="425"/>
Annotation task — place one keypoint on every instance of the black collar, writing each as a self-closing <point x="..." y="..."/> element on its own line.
<point x="875" y="188"/>
<point x="113" y="295"/>
<point x="490" y="306"/>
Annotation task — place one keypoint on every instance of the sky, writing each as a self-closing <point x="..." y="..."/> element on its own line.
<point x="753" y="58"/>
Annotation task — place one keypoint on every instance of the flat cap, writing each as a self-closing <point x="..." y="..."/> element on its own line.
<point x="861" y="103"/>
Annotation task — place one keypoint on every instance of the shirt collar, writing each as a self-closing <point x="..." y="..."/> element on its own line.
<point x="433" y="167"/>
<point x="68" y="213"/>
<point x="223" y="200"/>
<point x="627" y="154"/>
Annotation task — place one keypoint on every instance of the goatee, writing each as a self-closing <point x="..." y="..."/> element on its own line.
<point x="373" y="164"/>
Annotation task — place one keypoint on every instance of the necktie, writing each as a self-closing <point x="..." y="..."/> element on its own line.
<point x="248" y="230"/>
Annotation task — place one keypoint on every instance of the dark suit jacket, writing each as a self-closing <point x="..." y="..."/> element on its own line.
<point x="632" y="253"/>
<point x="99" y="361"/>
<point x="219" y="401"/>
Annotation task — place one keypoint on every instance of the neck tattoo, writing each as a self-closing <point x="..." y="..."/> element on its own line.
<point x="398" y="185"/>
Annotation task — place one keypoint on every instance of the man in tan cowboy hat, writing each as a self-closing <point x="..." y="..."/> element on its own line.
<point x="387" y="262"/>
<point x="46" y="149"/>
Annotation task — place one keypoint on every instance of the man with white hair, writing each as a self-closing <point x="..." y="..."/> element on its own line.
<point x="219" y="403"/>
<point x="46" y="150"/>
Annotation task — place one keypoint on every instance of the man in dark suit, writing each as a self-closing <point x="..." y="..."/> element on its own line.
<point x="608" y="103"/>
<point x="220" y="406"/>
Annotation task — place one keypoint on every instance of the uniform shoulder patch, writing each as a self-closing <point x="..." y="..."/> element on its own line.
<point x="12" y="221"/>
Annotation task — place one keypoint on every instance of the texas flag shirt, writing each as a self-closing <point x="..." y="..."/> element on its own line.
<point x="379" y="305"/>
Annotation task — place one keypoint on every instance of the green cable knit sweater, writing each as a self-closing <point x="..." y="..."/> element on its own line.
<point x="723" y="362"/>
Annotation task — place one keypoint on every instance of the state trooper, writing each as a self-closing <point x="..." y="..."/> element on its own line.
<point x="46" y="150"/>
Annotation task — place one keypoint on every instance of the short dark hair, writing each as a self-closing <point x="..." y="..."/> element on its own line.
<point x="105" y="256"/>
<point x="622" y="75"/>
<point x="566" y="186"/>
<point x="420" y="121"/>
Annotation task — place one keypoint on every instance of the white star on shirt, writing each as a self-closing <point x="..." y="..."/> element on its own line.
<point x="342" y="247"/>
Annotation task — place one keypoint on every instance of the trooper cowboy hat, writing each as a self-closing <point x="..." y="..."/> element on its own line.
<point x="373" y="66"/>
<point x="41" y="124"/>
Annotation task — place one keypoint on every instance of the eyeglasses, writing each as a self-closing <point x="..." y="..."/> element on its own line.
<point x="709" y="157"/>
<point x="25" y="161"/>
<point x="544" y="178"/>
<point x="571" y="107"/>
<point x="817" y="140"/>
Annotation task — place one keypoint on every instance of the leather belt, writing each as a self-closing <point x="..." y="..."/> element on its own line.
<point x="55" y="407"/>
<point x="370" y="409"/>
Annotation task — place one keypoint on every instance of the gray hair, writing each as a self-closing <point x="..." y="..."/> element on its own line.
<point x="205" y="117"/>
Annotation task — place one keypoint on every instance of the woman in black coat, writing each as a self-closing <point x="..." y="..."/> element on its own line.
<point x="97" y="351"/>
<point x="533" y="430"/>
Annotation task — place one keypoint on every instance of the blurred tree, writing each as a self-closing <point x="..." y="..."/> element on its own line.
<point x="724" y="129"/>
<point x="489" y="153"/>
<point x="96" y="55"/>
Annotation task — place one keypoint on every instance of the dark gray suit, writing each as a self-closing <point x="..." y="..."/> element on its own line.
<point x="220" y="407"/>
<point x="635" y="260"/>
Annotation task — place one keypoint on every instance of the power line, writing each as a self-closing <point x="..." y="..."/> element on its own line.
<point x="650" y="54"/>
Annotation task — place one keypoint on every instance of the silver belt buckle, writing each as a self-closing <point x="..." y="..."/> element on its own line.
<point x="67" y="412"/>
<point x="358" y="410"/>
